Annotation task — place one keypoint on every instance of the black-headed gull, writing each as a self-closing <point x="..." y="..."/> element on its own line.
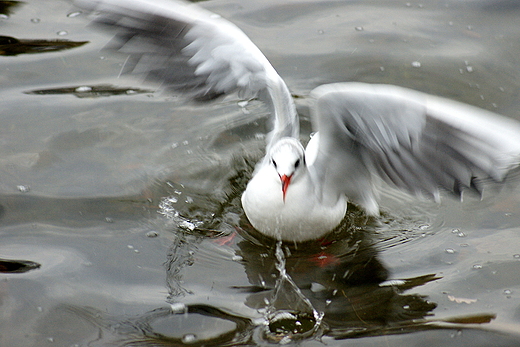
<point x="365" y="133"/>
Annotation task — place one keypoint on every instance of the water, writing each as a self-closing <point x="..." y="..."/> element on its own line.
<point x="120" y="216"/>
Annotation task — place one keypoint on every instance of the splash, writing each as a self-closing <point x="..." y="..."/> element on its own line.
<point x="290" y="315"/>
<point x="167" y="209"/>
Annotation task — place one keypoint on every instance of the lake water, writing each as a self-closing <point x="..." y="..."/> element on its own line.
<point x="120" y="217"/>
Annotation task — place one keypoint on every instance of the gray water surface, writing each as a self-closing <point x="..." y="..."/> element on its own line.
<point x="120" y="211"/>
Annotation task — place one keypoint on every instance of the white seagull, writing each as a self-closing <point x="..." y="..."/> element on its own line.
<point x="364" y="133"/>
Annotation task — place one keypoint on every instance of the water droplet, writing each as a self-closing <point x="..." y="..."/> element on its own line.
<point x="321" y="32"/>
<point x="455" y="231"/>
<point x="416" y="64"/>
<point x="178" y="307"/>
<point x="237" y="258"/>
<point x="23" y="188"/>
<point x="189" y="338"/>
<point x="317" y="287"/>
<point x="477" y="266"/>
<point x="74" y="14"/>
<point x="62" y="33"/>
<point x="187" y="225"/>
<point x="508" y="291"/>
<point x="450" y="250"/>
<point x="406" y="307"/>
<point x="469" y="68"/>
<point x="189" y="200"/>
<point x="35" y="20"/>
<point x="359" y="28"/>
<point x="83" y="89"/>
<point x="456" y="334"/>
<point x="516" y="256"/>
<point x="152" y="234"/>
<point x="109" y="220"/>
<point x="3" y="16"/>
<point x="185" y="142"/>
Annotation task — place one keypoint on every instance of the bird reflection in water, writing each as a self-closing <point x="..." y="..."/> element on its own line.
<point x="339" y="291"/>
<point x="335" y="288"/>
<point x="343" y="280"/>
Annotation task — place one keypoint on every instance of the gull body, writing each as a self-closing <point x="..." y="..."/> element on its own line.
<point x="297" y="210"/>
<point x="365" y="133"/>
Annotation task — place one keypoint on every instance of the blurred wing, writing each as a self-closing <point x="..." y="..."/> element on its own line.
<point x="417" y="142"/>
<point x="189" y="49"/>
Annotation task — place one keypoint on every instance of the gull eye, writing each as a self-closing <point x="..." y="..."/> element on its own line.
<point x="274" y="163"/>
<point x="297" y="163"/>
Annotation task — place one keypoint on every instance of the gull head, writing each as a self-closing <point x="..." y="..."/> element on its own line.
<point x="287" y="158"/>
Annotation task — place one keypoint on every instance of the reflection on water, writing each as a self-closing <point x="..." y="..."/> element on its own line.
<point x="121" y="222"/>
<point x="90" y="91"/>
<point x="7" y="7"/>
<point x="10" y="46"/>
<point x="17" y="266"/>
<point x="336" y="289"/>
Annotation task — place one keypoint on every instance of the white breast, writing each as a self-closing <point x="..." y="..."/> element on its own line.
<point x="302" y="216"/>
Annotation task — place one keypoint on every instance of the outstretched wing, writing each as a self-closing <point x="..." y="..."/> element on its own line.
<point x="415" y="141"/>
<point x="189" y="49"/>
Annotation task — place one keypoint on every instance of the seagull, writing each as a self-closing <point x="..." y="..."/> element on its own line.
<point x="364" y="133"/>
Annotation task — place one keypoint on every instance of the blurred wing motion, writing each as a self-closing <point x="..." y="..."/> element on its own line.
<point x="194" y="51"/>
<point x="414" y="141"/>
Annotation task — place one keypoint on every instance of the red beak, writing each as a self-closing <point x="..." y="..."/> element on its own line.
<point x="285" y="183"/>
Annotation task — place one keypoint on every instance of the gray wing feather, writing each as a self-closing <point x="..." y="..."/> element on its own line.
<point x="188" y="49"/>
<point x="417" y="142"/>
<point x="181" y="46"/>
